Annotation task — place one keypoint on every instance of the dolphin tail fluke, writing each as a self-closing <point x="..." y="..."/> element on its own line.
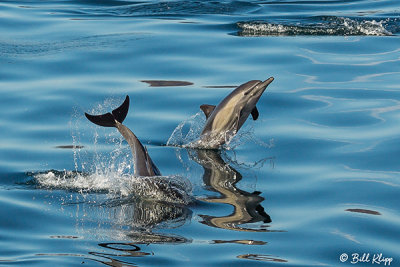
<point x="106" y="120"/>
<point x="121" y="112"/>
<point x="109" y="119"/>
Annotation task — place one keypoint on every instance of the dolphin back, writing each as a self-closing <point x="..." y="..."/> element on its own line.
<point x="108" y="119"/>
<point x="144" y="165"/>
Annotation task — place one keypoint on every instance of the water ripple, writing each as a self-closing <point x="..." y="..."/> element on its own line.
<point x="38" y="48"/>
<point x="167" y="8"/>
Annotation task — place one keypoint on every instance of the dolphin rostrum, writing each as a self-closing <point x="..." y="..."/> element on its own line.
<point x="225" y="119"/>
<point x="143" y="166"/>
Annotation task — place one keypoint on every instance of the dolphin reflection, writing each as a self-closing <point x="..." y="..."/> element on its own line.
<point x="222" y="178"/>
<point x="136" y="220"/>
<point x="144" y="215"/>
<point x="124" y="253"/>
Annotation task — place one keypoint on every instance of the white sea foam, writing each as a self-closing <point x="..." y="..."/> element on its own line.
<point x="319" y="26"/>
<point x="171" y="189"/>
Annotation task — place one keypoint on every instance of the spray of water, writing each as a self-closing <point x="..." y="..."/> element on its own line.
<point x="99" y="170"/>
<point x="187" y="133"/>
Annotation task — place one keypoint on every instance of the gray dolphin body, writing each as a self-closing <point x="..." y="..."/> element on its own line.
<point x="225" y="119"/>
<point x="143" y="166"/>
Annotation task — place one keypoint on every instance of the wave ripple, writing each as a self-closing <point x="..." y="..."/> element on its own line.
<point x="167" y="8"/>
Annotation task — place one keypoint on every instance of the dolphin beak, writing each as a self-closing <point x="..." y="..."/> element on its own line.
<point x="265" y="83"/>
<point x="260" y="88"/>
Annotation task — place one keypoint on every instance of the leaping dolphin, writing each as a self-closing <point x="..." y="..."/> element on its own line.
<point x="225" y="119"/>
<point x="143" y="166"/>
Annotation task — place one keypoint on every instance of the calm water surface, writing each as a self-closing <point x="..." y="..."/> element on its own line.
<point x="316" y="176"/>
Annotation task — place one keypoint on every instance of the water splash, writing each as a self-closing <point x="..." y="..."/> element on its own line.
<point x="99" y="170"/>
<point x="98" y="141"/>
<point x="168" y="189"/>
<point x="187" y="133"/>
<point x="325" y="25"/>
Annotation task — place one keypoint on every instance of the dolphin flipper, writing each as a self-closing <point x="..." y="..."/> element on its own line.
<point x="108" y="119"/>
<point x="254" y="113"/>
<point x="260" y="210"/>
<point x="207" y="109"/>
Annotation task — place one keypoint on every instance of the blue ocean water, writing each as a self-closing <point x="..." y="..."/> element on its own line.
<point x="315" y="179"/>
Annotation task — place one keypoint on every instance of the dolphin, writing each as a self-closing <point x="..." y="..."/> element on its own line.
<point x="143" y="166"/>
<point x="225" y="119"/>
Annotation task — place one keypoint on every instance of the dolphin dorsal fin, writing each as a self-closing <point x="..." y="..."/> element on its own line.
<point x="254" y="113"/>
<point x="207" y="109"/>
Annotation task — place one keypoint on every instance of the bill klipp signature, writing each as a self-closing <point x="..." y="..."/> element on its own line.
<point x="366" y="258"/>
